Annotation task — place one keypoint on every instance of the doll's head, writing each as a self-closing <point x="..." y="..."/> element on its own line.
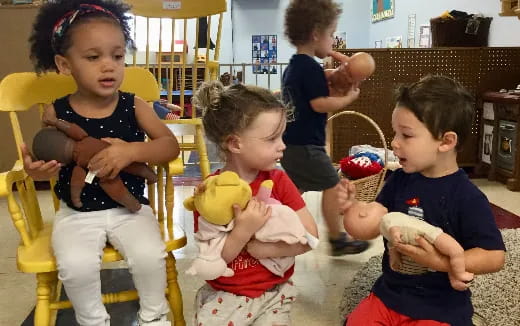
<point x="362" y="220"/>
<point x="51" y="144"/>
<point x="361" y="66"/>
<point x="215" y="198"/>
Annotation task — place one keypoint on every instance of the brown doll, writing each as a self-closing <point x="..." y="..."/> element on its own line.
<point x="68" y="142"/>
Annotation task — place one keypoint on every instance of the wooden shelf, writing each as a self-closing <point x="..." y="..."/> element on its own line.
<point x="505" y="109"/>
<point x="21" y="6"/>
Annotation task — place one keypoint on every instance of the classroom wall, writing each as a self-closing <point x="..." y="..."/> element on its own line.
<point x="15" y="26"/>
<point x="503" y="30"/>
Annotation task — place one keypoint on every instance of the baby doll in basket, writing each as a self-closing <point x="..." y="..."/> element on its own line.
<point x="214" y="200"/>
<point x="67" y="143"/>
<point x="399" y="227"/>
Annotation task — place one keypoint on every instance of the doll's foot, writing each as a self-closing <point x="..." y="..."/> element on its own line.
<point x="150" y="176"/>
<point x="343" y="246"/>
<point x="130" y="202"/>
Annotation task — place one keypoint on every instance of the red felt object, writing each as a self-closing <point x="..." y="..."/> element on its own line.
<point x="359" y="167"/>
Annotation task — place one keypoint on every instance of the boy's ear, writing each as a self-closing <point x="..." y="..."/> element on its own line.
<point x="63" y="64"/>
<point x="448" y="141"/>
<point x="233" y="144"/>
<point x="315" y="34"/>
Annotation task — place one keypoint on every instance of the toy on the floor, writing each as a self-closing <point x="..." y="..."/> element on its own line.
<point x="67" y="143"/>
<point x="360" y="165"/>
<point x="214" y="200"/>
<point x="361" y="65"/>
<point x="398" y="227"/>
<point x="166" y="111"/>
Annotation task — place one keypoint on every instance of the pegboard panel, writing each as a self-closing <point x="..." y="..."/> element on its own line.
<point x="477" y="69"/>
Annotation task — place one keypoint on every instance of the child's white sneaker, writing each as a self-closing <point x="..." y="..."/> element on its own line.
<point x="161" y="321"/>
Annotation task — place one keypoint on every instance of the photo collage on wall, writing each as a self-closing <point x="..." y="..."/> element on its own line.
<point x="264" y="54"/>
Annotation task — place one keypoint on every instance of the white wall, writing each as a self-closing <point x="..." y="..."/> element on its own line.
<point x="504" y="31"/>
<point x="245" y="18"/>
<point x="355" y="20"/>
<point x="251" y="17"/>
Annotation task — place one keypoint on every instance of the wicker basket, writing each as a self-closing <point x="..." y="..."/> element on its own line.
<point x="367" y="188"/>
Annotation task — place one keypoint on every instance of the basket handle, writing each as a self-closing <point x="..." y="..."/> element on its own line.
<point x="372" y="122"/>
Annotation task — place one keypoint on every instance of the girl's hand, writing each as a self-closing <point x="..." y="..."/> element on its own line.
<point x="38" y="170"/>
<point x="253" y="217"/>
<point x="111" y="160"/>
<point x="425" y="254"/>
<point x="346" y="195"/>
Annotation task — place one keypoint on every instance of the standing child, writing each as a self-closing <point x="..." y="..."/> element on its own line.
<point x="306" y="89"/>
<point x="247" y="123"/>
<point x="88" y="40"/>
<point x="432" y="119"/>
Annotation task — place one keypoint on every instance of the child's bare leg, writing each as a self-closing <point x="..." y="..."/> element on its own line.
<point x="340" y="244"/>
<point x="451" y="248"/>
<point x="330" y="211"/>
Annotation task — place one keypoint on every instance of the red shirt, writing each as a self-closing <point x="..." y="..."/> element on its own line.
<point x="251" y="278"/>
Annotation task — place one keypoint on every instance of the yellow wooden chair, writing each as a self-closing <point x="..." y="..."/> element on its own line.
<point x="21" y="91"/>
<point x="185" y="10"/>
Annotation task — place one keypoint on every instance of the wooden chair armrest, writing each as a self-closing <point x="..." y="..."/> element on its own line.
<point x="7" y="179"/>
<point x="176" y="167"/>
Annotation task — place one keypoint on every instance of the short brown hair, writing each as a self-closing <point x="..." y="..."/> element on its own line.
<point x="230" y="110"/>
<point x="302" y="17"/>
<point x="442" y="104"/>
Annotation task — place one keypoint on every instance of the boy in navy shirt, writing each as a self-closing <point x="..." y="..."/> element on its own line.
<point x="431" y="121"/>
<point x="306" y="91"/>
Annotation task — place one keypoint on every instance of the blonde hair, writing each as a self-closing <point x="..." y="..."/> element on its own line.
<point x="230" y="110"/>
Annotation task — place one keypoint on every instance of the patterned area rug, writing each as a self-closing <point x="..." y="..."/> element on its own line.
<point x="496" y="297"/>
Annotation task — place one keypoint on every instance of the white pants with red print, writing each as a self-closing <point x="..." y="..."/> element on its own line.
<point x="273" y="308"/>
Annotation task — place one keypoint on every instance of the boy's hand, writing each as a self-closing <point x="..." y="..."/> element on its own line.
<point x="352" y="94"/>
<point x="253" y="217"/>
<point x="425" y="254"/>
<point x="111" y="160"/>
<point x="346" y="195"/>
<point x="339" y="79"/>
<point x="38" y="170"/>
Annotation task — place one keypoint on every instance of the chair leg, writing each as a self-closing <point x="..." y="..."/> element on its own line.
<point x="174" y="291"/>
<point x="42" y="312"/>
<point x="203" y="152"/>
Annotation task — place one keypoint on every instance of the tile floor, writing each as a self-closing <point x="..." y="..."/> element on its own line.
<point x="320" y="278"/>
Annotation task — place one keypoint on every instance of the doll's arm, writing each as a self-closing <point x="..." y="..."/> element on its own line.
<point x="448" y="246"/>
<point x="77" y="182"/>
<point x="116" y="190"/>
<point x="70" y="129"/>
<point x="141" y="170"/>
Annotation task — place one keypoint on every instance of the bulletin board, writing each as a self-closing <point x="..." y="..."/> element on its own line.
<point x="264" y="54"/>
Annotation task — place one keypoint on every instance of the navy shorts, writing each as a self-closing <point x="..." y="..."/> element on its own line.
<point x="309" y="167"/>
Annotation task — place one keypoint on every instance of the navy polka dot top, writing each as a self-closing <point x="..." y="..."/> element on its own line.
<point x="121" y="124"/>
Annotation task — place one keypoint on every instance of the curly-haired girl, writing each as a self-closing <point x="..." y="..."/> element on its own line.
<point x="87" y="39"/>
